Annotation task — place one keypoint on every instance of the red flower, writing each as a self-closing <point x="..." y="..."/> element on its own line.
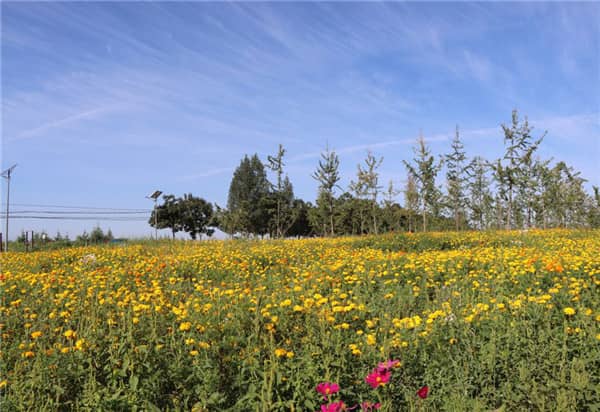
<point x="333" y="407"/>
<point x="327" y="388"/>
<point x="377" y="378"/>
<point x="423" y="392"/>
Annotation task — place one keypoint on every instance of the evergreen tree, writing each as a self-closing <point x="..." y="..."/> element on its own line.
<point x="283" y="193"/>
<point x="480" y="200"/>
<point x="300" y="225"/>
<point x="424" y="171"/>
<point x="456" y="177"/>
<point x="370" y="177"/>
<point x="248" y="197"/>
<point x="97" y="235"/>
<point x="366" y="188"/>
<point x="327" y="174"/>
<point x="514" y="171"/>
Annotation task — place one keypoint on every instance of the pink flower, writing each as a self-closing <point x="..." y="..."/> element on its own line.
<point x="377" y="378"/>
<point x="333" y="407"/>
<point x="327" y="388"/>
<point x="387" y="365"/>
<point x="423" y="392"/>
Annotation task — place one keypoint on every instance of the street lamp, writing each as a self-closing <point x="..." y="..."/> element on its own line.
<point x="154" y="196"/>
<point x="6" y="174"/>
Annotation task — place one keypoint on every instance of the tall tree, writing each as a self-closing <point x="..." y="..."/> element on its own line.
<point x="481" y="200"/>
<point x="424" y="170"/>
<point x="369" y="175"/>
<point x="275" y="163"/>
<point x="283" y="193"/>
<point x="359" y="189"/>
<point x="366" y="188"/>
<point x="300" y="225"/>
<point x="248" y="197"/>
<point x="456" y="177"/>
<point x="392" y="213"/>
<point x="515" y="165"/>
<point x="411" y="200"/>
<point x="327" y="174"/>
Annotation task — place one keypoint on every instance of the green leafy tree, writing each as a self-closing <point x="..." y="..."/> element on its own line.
<point x="168" y="215"/>
<point x="196" y="215"/>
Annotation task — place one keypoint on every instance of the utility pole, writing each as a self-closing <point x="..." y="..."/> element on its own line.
<point x="6" y="174"/>
<point x="154" y="196"/>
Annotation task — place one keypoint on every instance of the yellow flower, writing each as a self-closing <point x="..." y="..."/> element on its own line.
<point x="3" y="383"/>
<point x="28" y="354"/>
<point x="280" y="352"/>
<point x="36" y="334"/>
<point x="569" y="311"/>
<point x="70" y="334"/>
<point x="79" y="345"/>
<point x="194" y="352"/>
<point x="185" y="326"/>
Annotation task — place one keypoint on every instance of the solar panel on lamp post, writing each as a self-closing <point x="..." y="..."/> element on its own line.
<point x="6" y="174"/>
<point x="154" y="196"/>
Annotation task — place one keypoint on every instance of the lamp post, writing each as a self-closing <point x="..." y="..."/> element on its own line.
<point x="6" y="174"/>
<point x="154" y="196"/>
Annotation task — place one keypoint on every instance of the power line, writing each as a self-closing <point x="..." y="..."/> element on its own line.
<point x="79" y="207"/>
<point x="75" y="212"/>
<point x="113" y="218"/>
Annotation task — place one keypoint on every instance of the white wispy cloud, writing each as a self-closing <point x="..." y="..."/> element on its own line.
<point x="69" y="120"/>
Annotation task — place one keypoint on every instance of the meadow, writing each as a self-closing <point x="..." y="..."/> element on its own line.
<point x="504" y="321"/>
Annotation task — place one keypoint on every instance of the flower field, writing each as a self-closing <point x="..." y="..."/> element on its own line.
<point x="478" y="321"/>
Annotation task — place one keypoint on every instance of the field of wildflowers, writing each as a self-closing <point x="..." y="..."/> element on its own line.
<point x="426" y="322"/>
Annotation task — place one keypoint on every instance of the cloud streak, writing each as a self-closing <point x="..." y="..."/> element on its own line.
<point x="69" y="120"/>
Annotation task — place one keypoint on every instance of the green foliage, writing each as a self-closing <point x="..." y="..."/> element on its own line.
<point x="188" y="214"/>
<point x="424" y="170"/>
<point x="456" y="178"/>
<point x="327" y="174"/>
<point x="248" y="198"/>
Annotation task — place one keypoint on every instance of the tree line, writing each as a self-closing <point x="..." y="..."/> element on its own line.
<point x="518" y="190"/>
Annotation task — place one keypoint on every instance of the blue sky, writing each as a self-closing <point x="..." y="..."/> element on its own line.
<point x="104" y="102"/>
